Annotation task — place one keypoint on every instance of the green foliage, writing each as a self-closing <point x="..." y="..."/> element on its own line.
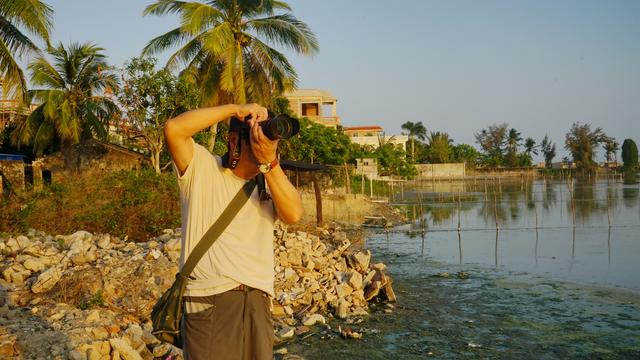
<point x="317" y="144"/>
<point x="32" y="15"/>
<point x="225" y="47"/>
<point x="392" y="161"/>
<point x="97" y="299"/>
<point x="493" y="141"/>
<point x="439" y="150"/>
<point x="149" y="98"/>
<point x="611" y="147"/>
<point x="582" y="142"/>
<point x="414" y="130"/>
<point x="513" y="141"/>
<point x="72" y="105"/>
<point x="629" y="154"/>
<point x="465" y="153"/>
<point x="548" y="150"/>
<point x="135" y="203"/>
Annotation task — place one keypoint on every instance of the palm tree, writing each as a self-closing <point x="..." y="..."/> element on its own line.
<point x="530" y="146"/>
<point x="414" y="130"/>
<point x="582" y="142"/>
<point x="611" y="147"/>
<point x="32" y="15"/>
<point x="439" y="147"/>
<point x="513" y="141"/>
<point x="73" y="106"/>
<point x="548" y="150"/>
<point x="227" y="46"/>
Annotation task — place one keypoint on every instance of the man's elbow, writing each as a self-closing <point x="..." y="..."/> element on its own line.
<point x="292" y="217"/>
<point x="170" y="129"/>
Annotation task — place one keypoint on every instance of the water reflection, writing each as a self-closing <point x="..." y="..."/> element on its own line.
<point x="535" y="229"/>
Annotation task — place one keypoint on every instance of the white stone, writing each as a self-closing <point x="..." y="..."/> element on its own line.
<point x="47" y="280"/>
<point x="313" y="319"/>
<point x="33" y="264"/>
<point x="286" y="332"/>
<point x="125" y="350"/>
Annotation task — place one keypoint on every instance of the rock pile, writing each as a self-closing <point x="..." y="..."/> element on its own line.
<point x="89" y="296"/>
<point x="317" y="274"/>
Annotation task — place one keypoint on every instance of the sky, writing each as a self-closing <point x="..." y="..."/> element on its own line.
<point x="457" y="66"/>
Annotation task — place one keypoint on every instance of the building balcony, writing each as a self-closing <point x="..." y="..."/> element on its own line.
<point x="328" y="121"/>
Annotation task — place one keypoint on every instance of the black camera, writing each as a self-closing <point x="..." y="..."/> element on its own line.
<point x="275" y="128"/>
<point x="280" y="127"/>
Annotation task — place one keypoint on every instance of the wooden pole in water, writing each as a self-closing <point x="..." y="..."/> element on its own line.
<point x="459" y="206"/>
<point x="495" y="210"/>
<point x="608" y="209"/>
<point x="573" y="203"/>
<point x="535" y="209"/>
<point x="485" y="191"/>
<point x="459" y="247"/>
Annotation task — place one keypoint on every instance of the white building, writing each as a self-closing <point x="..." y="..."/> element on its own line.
<point x="373" y="136"/>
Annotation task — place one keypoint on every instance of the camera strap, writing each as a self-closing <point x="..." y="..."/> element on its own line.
<point x="262" y="188"/>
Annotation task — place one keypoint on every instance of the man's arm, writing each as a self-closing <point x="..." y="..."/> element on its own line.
<point x="285" y="196"/>
<point x="179" y="130"/>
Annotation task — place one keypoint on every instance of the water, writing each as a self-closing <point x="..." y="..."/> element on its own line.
<point x="536" y="230"/>
<point x="537" y="288"/>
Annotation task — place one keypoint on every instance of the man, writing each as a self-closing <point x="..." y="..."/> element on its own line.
<point x="227" y="304"/>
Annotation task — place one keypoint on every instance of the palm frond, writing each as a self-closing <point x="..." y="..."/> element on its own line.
<point x="185" y="54"/>
<point x="33" y="15"/>
<point x="163" y="7"/>
<point x="288" y="31"/>
<point x="197" y="17"/>
<point x="43" y="74"/>
<point x="14" y="84"/>
<point x="170" y="39"/>
<point x="14" y="39"/>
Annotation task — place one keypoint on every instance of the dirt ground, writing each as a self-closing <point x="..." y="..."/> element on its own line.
<point x="349" y="209"/>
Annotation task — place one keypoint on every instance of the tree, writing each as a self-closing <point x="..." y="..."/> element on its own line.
<point x="493" y="142"/>
<point x="73" y="104"/>
<point x="34" y="16"/>
<point x="582" y="142"/>
<point x="414" y="130"/>
<point x="611" y="147"/>
<point x="530" y="146"/>
<point x="439" y="147"/>
<point x="465" y="153"/>
<point x="548" y="150"/>
<point x="629" y="154"/>
<point x="227" y="47"/>
<point x="150" y="98"/>
<point x="513" y="141"/>
<point x="317" y="144"/>
<point x="392" y="160"/>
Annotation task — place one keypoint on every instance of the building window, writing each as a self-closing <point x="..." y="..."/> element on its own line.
<point x="310" y="109"/>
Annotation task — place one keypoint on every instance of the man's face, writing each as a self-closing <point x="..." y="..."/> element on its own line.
<point x="246" y="155"/>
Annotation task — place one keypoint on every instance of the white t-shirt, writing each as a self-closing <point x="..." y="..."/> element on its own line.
<point x="243" y="254"/>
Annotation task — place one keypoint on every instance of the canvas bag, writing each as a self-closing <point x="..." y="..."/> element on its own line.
<point x="166" y="315"/>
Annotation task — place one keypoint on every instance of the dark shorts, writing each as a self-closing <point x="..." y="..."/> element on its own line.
<point x="233" y="325"/>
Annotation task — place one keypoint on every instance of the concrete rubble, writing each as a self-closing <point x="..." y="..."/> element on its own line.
<point x="89" y="296"/>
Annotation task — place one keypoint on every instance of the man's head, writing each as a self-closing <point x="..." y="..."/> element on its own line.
<point x="238" y="140"/>
<point x="274" y="128"/>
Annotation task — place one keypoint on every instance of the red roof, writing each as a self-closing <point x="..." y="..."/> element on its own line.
<point x="361" y="128"/>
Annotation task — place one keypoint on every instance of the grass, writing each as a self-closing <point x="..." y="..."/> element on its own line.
<point x="138" y="204"/>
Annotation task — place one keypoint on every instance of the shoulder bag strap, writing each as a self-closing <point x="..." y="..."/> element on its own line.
<point x="218" y="227"/>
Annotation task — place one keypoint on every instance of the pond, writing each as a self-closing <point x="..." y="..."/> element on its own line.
<point x="538" y="270"/>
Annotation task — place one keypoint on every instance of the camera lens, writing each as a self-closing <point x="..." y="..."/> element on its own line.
<point x="280" y="127"/>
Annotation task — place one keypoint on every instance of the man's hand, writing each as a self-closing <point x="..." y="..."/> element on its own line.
<point x="264" y="149"/>
<point x="255" y="111"/>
